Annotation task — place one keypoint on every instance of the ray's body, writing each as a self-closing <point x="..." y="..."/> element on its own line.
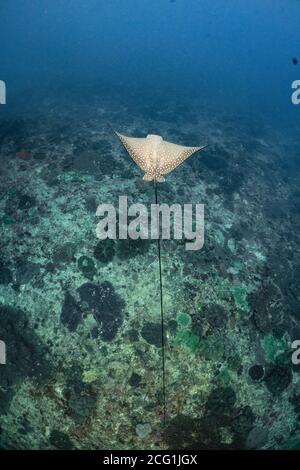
<point x="155" y="156"/>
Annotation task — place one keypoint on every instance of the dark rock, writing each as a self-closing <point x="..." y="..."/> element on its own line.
<point x="278" y="378"/>
<point x="60" y="440"/>
<point x="19" y="201"/>
<point x="241" y="426"/>
<point x="220" y="401"/>
<point x="197" y="326"/>
<point x="91" y="204"/>
<point x="295" y="401"/>
<point x="130" y="248"/>
<point x="152" y="333"/>
<point x="25" y="425"/>
<point x="267" y="313"/>
<point x="26" y="355"/>
<point x="211" y="255"/>
<point x="256" y="372"/>
<point x="50" y="267"/>
<point x="71" y="313"/>
<point x="106" y="305"/>
<point x="94" y="332"/>
<point x="291" y="289"/>
<point x="105" y="250"/>
<point x="64" y="253"/>
<point x="81" y="397"/>
<point x="216" y="315"/>
<point x="257" y="438"/>
<point x="87" y="267"/>
<point x="172" y="326"/>
<point x="135" y="380"/>
<point x="26" y="271"/>
<point x="5" y="274"/>
<point x="26" y="201"/>
<point x="182" y="433"/>
<point x="133" y="335"/>
<point x="185" y="432"/>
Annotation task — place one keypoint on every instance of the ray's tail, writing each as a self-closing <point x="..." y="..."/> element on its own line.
<point x="162" y="316"/>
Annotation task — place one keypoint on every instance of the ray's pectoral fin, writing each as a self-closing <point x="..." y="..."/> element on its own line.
<point x="172" y="155"/>
<point x="138" y="148"/>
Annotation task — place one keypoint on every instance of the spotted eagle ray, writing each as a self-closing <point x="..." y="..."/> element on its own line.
<point x="156" y="157"/>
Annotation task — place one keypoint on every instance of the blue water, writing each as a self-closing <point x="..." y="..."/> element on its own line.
<point x="232" y="54"/>
<point x="196" y="72"/>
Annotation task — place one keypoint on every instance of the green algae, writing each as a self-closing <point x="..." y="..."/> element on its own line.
<point x="235" y="268"/>
<point x="274" y="348"/>
<point x="183" y="319"/>
<point x="187" y="339"/>
<point x="7" y="220"/>
<point x="225" y="376"/>
<point x="240" y="297"/>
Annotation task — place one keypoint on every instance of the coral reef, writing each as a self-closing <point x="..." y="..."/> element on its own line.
<point x="81" y="317"/>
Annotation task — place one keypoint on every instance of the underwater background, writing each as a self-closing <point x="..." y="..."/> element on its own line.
<point x="81" y="318"/>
